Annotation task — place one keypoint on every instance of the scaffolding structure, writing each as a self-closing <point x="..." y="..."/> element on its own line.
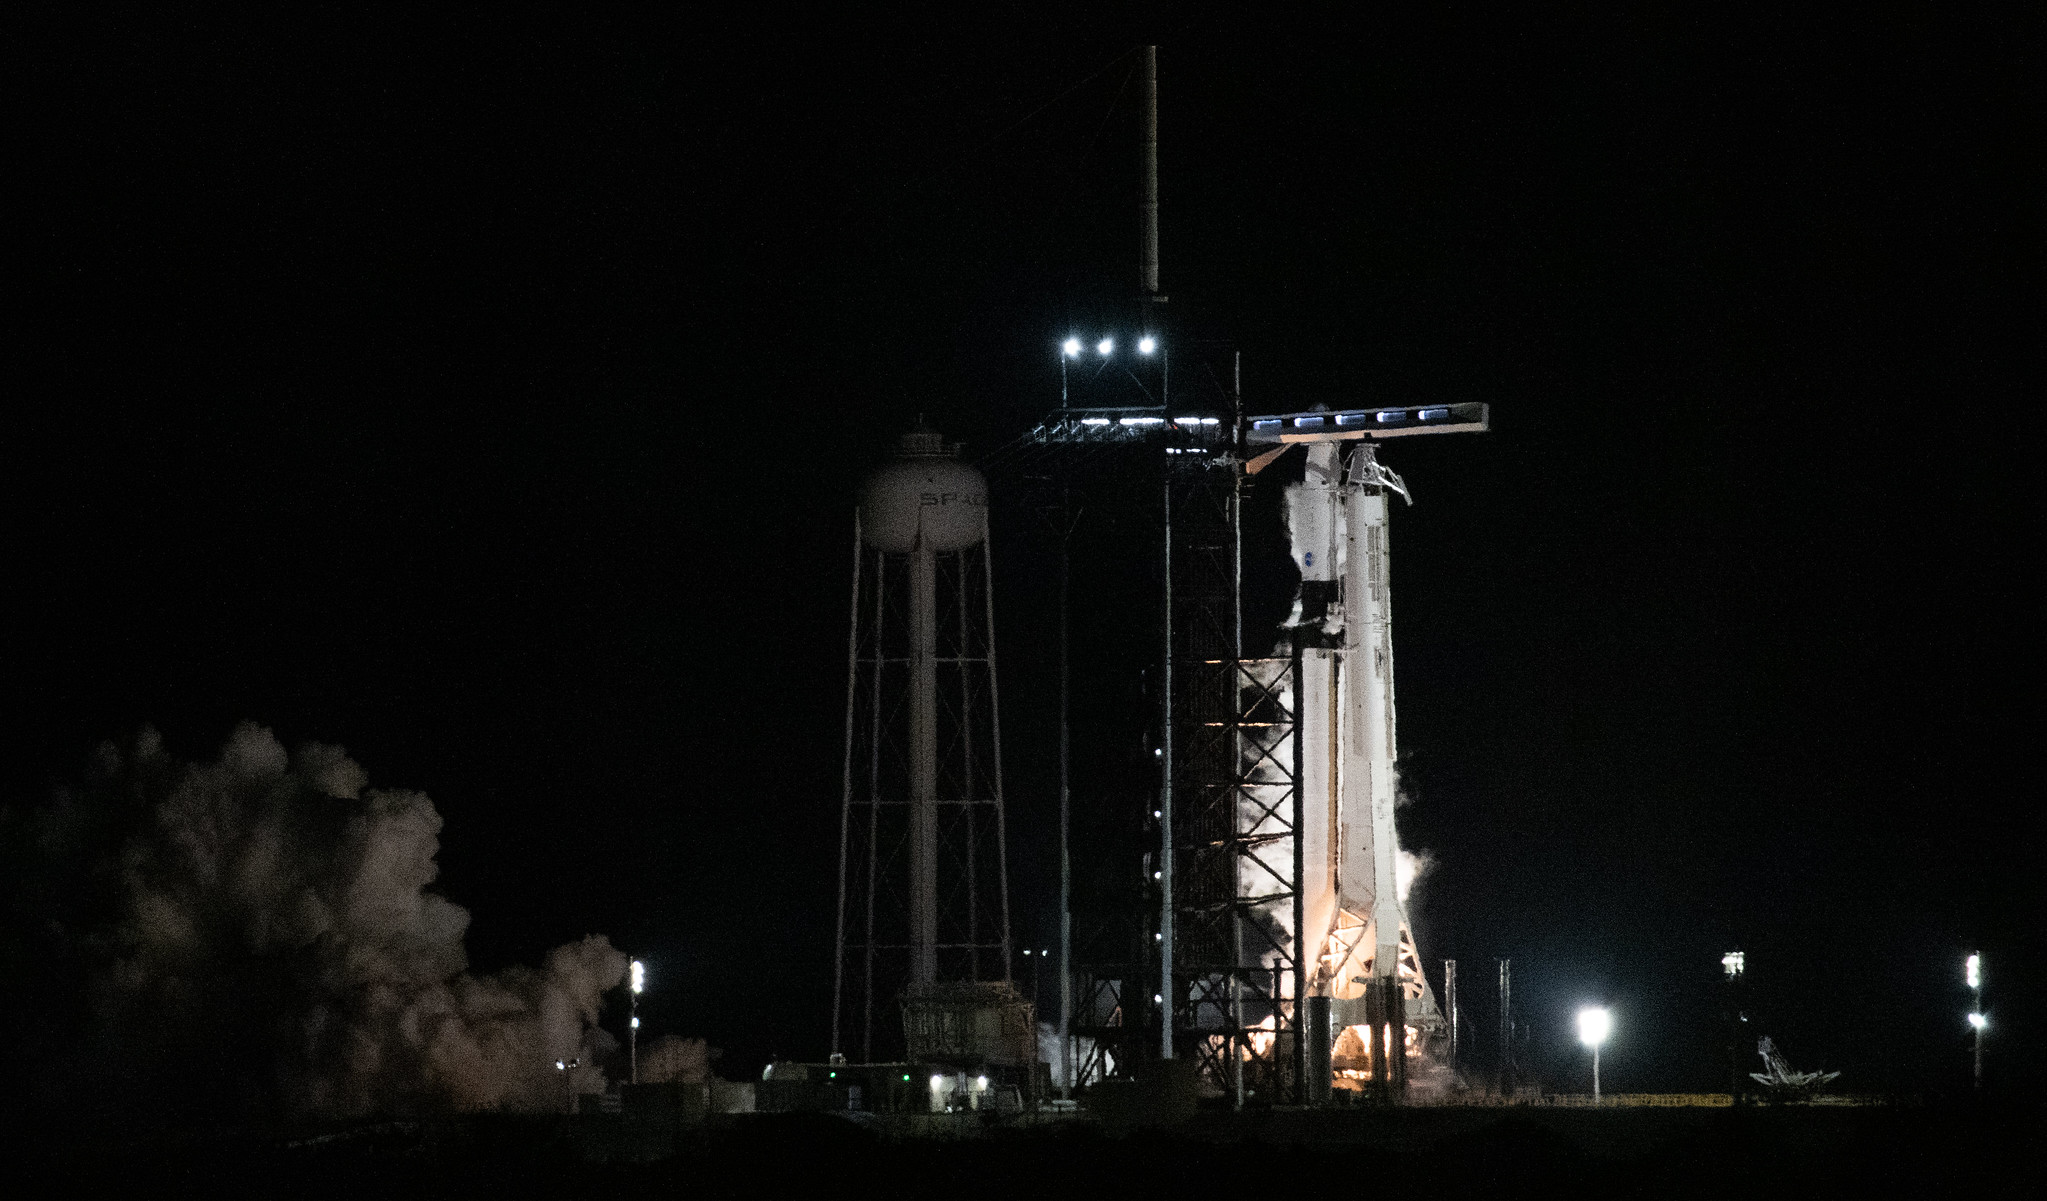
<point x="1199" y="961"/>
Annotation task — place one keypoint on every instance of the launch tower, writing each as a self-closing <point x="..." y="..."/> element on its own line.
<point x="1253" y="924"/>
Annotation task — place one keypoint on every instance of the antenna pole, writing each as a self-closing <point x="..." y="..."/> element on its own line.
<point x="1450" y="1003"/>
<point x="1506" y="1028"/>
<point x="845" y="788"/>
<point x="1148" y="264"/>
<point x="1066" y="1066"/>
<point x="1168" y="994"/>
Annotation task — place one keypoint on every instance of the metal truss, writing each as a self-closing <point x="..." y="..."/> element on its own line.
<point x="1225" y="872"/>
<point x="1266" y="854"/>
<point x="874" y="936"/>
<point x="1200" y="818"/>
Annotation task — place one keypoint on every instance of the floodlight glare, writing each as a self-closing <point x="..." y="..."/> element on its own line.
<point x="1147" y="345"/>
<point x="1973" y="969"/>
<point x="1594" y="1024"/>
<point x="1106" y="345"/>
<point x="639" y="976"/>
<point x="1734" y="962"/>
<point x="1978" y="1021"/>
<point x="1072" y="348"/>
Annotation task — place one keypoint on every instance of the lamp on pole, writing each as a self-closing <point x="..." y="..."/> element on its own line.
<point x="639" y="985"/>
<point x="1972" y="971"/>
<point x="1036" y="964"/>
<point x="1594" y="1024"/>
<point x="565" y="1067"/>
<point x="1734" y="1014"/>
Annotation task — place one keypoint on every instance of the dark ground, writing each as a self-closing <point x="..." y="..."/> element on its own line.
<point x="1639" y="1152"/>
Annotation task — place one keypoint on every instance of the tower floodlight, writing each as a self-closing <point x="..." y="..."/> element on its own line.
<point x="1734" y="962"/>
<point x="1071" y="347"/>
<point x="1106" y="345"/>
<point x="1147" y="344"/>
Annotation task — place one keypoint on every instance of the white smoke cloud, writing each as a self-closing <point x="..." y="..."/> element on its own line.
<point x="264" y="922"/>
<point x="673" y="1058"/>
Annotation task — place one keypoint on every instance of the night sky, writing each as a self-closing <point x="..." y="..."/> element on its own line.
<point x="489" y="397"/>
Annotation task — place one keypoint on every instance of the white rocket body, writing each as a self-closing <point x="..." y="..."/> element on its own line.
<point x="1356" y="921"/>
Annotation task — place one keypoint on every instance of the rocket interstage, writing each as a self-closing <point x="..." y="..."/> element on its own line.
<point x="923" y="912"/>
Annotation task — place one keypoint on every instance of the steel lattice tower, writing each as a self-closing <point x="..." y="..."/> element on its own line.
<point x="1189" y="963"/>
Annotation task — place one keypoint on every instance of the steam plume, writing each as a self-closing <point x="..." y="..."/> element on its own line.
<point x="257" y="933"/>
<point x="670" y="1057"/>
<point x="1409" y="869"/>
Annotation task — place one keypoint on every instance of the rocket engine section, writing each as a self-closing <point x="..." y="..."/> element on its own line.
<point x="1357" y="947"/>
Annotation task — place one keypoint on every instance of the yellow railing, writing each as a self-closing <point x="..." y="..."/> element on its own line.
<point x="1609" y="1101"/>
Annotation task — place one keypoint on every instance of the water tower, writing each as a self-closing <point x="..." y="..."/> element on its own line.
<point x="923" y="918"/>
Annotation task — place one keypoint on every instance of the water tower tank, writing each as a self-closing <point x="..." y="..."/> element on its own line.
<point x="924" y="500"/>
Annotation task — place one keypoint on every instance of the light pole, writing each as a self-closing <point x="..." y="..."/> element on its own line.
<point x="1594" y="1024"/>
<point x="1972" y="971"/>
<point x="565" y="1066"/>
<point x="1734" y="1014"/>
<point x="1036" y="965"/>
<point x="632" y="1036"/>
